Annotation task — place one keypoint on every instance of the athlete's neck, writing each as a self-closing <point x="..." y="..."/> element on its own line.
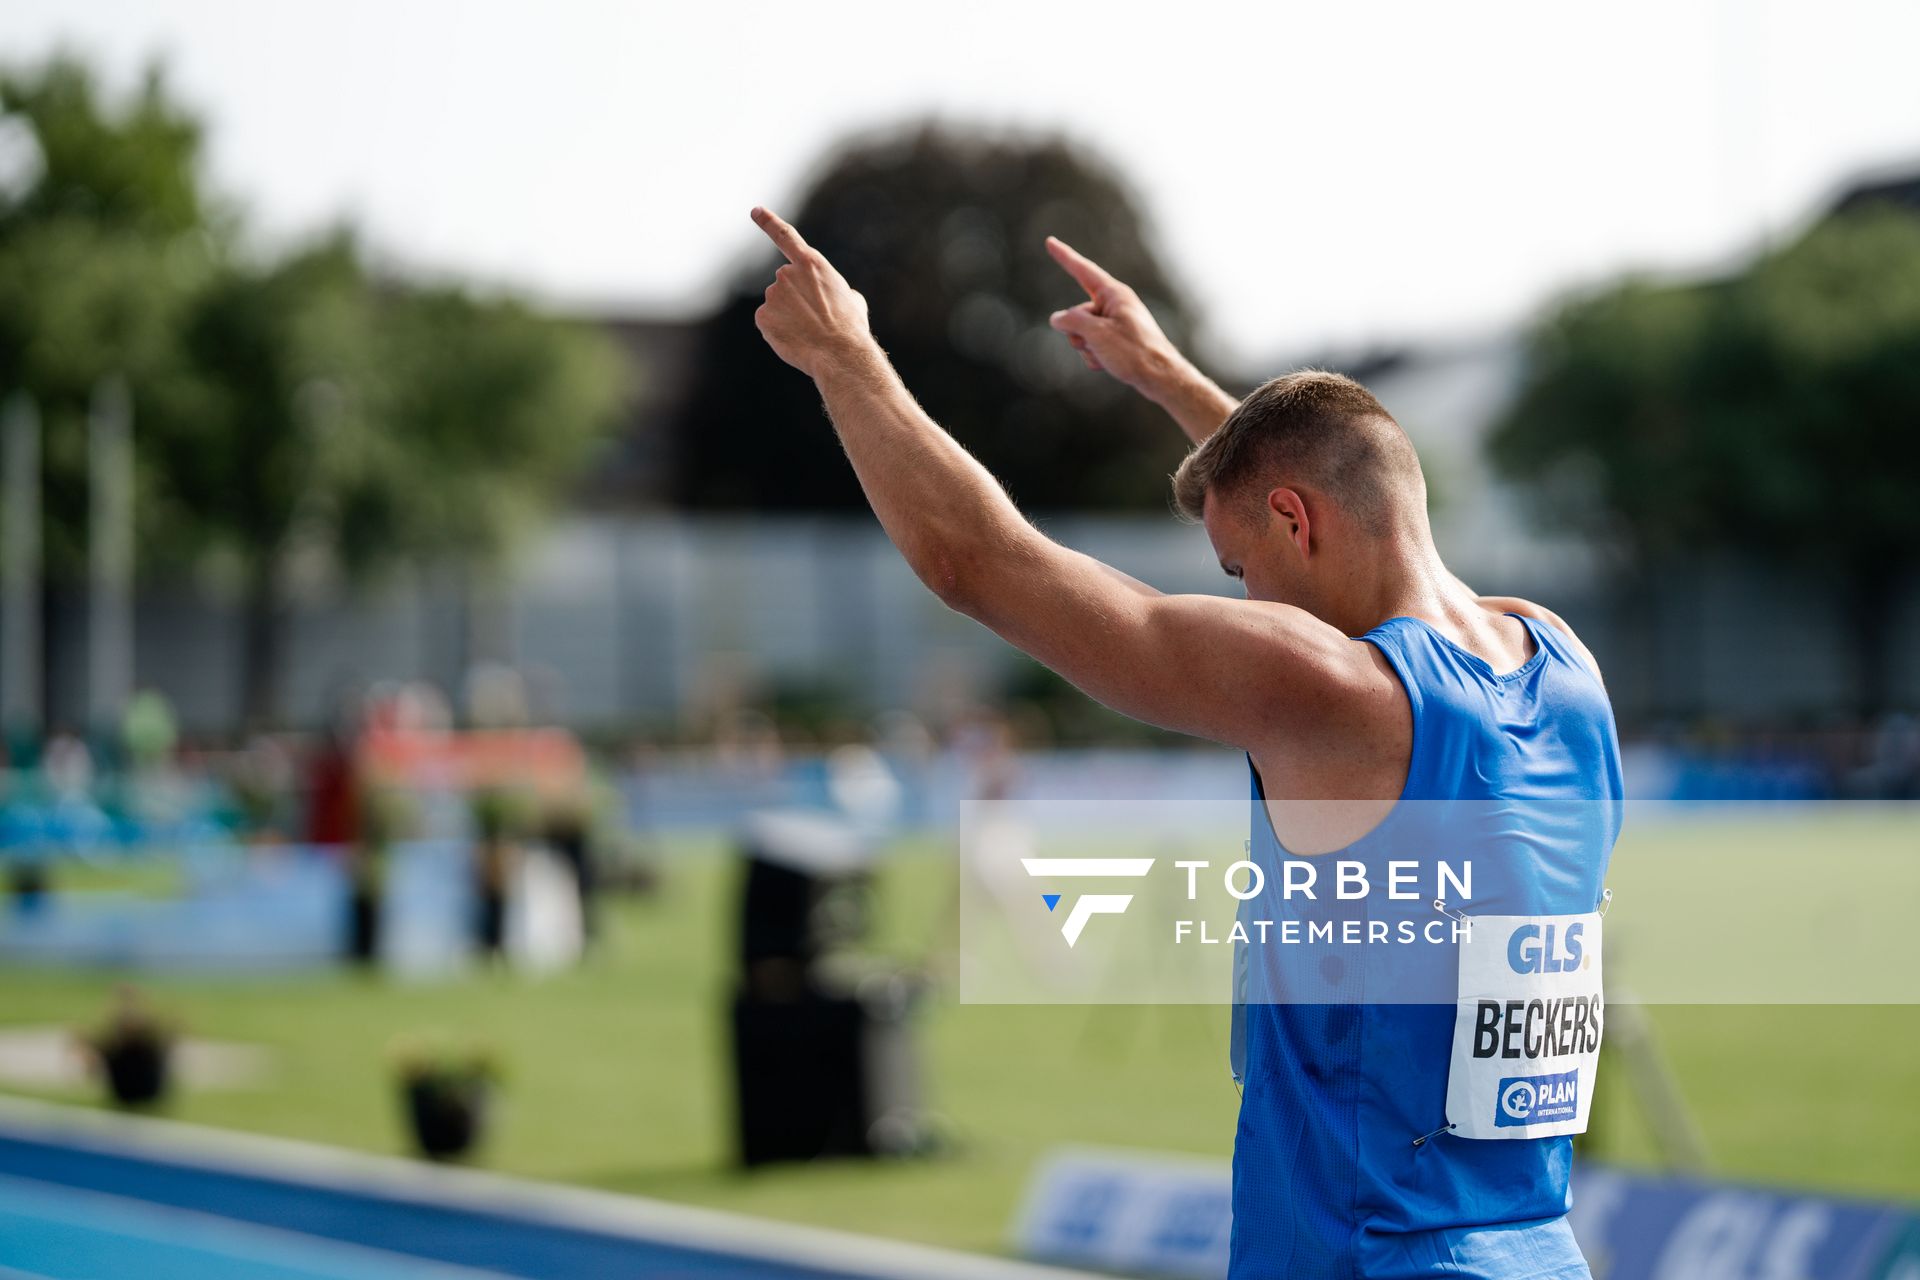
<point x="1400" y="579"/>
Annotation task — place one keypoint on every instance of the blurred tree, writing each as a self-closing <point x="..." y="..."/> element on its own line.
<point x="281" y="408"/>
<point x="105" y="239"/>
<point x="493" y="408"/>
<point x="1770" y="414"/>
<point x="79" y="303"/>
<point x="943" y="232"/>
<point x="134" y="169"/>
<point x="367" y="424"/>
<point x="279" y="359"/>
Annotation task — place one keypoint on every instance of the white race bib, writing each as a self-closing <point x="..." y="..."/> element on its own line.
<point x="1526" y="1029"/>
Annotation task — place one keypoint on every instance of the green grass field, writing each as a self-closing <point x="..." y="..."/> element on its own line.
<point x="617" y="1076"/>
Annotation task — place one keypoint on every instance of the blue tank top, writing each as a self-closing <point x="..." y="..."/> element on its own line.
<point x="1328" y="1179"/>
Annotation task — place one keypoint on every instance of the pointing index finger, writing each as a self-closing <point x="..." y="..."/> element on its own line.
<point x="784" y="237"/>
<point x="1091" y="275"/>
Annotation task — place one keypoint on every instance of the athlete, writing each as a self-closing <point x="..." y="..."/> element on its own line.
<point x="1358" y="670"/>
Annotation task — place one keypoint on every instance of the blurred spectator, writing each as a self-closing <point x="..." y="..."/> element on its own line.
<point x="383" y="817"/>
<point x="155" y="795"/>
<point x="262" y="791"/>
<point x="67" y="766"/>
<point x="499" y="823"/>
<point x="332" y="788"/>
<point x="148" y="728"/>
<point x="569" y="834"/>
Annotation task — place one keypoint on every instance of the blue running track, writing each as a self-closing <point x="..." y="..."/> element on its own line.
<point x="85" y="1196"/>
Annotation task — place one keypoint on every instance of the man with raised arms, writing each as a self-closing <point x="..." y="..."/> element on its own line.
<point x="1357" y="669"/>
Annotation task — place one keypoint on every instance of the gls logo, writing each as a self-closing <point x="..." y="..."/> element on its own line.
<point x="1087" y="905"/>
<point x="1531" y="949"/>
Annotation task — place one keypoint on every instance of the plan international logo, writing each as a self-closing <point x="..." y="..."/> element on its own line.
<point x="1087" y="905"/>
<point x="1525" y="1100"/>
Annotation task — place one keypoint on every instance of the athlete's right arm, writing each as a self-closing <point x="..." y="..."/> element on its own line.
<point x="1114" y="331"/>
<point x="1266" y="677"/>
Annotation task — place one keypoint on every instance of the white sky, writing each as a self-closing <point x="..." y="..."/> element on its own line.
<point x="1318" y="175"/>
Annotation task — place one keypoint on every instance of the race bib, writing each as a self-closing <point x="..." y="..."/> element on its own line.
<point x="1526" y="1029"/>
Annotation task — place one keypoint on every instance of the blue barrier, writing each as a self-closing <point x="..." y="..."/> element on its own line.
<point x="251" y="911"/>
<point x="1169" y="1216"/>
<point x="1634" y="1225"/>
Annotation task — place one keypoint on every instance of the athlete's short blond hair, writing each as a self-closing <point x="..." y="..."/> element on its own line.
<point x="1314" y="429"/>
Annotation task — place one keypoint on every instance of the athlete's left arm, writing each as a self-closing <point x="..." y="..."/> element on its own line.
<point x="1247" y="673"/>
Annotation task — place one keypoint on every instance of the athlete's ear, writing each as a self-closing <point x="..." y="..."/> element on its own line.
<point x="1290" y="514"/>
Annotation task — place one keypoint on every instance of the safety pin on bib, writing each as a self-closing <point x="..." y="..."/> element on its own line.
<point x="1458" y="917"/>
<point x="1606" y="902"/>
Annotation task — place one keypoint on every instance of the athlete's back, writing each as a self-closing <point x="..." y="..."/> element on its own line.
<point x="1347" y="1161"/>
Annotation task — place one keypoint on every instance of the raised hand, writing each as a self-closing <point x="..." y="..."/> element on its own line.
<point x="1114" y="331"/>
<point x="812" y="317"/>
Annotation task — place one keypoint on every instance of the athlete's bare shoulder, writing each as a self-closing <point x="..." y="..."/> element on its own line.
<point x="1326" y="790"/>
<point x="1527" y="608"/>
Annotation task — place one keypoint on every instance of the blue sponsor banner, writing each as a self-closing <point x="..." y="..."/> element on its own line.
<point x="1137" y="1212"/>
<point x="1171" y="1216"/>
<point x="1663" y="1228"/>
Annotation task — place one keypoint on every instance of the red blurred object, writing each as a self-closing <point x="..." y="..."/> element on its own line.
<point x="333" y="814"/>
<point x="547" y="760"/>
